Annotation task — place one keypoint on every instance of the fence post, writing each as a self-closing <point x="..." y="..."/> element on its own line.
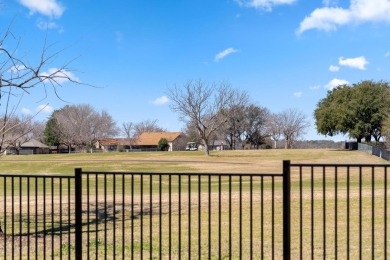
<point x="78" y="214"/>
<point x="286" y="211"/>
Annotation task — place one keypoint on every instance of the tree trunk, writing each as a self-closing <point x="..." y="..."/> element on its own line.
<point x="206" y="147"/>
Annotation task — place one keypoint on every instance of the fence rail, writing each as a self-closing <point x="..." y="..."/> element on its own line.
<point x="345" y="209"/>
<point x="37" y="216"/>
<point x="307" y="211"/>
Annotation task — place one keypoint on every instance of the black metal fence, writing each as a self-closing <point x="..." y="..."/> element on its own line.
<point x="37" y="216"/>
<point x="339" y="211"/>
<point x="323" y="211"/>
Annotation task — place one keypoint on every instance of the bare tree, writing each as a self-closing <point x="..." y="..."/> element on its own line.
<point x="147" y="126"/>
<point x="274" y="125"/>
<point x="203" y="104"/>
<point x="37" y="131"/>
<point x="128" y="130"/>
<point x="294" y="124"/>
<point x="79" y="125"/>
<point x="18" y="75"/>
<point x="15" y="131"/>
<point x="234" y="126"/>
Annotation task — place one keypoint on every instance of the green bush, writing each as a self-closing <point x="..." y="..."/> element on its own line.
<point x="163" y="145"/>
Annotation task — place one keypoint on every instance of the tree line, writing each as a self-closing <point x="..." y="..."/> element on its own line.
<point x="220" y="112"/>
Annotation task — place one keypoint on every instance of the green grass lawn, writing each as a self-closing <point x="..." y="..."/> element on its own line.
<point x="247" y="161"/>
<point x="127" y="214"/>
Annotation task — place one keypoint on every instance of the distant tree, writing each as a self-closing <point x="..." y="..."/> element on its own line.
<point x="147" y="126"/>
<point x="191" y="132"/>
<point x="79" y="125"/>
<point x="203" y="104"/>
<point x="19" y="75"/>
<point x="358" y="110"/>
<point x="15" y="130"/>
<point x="128" y="129"/>
<point x="294" y="125"/>
<point x="386" y="132"/>
<point x="162" y="145"/>
<point x="37" y="132"/>
<point x="274" y="127"/>
<point x="51" y="134"/>
<point x="255" y="125"/>
<point x="235" y="120"/>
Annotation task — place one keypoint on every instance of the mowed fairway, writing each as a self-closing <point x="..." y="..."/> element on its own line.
<point x="150" y="212"/>
<point x="247" y="161"/>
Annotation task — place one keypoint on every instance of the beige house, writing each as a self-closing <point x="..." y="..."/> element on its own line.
<point x="147" y="141"/>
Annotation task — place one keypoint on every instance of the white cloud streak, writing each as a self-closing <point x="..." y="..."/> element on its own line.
<point x="49" y="8"/>
<point x="26" y="111"/>
<point x="359" y="11"/>
<point x="44" y="25"/>
<point x="356" y="63"/>
<point x="335" y="83"/>
<point x="61" y="76"/>
<point x="45" y="109"/>
<point x="316" y="87"/>
<point x="333" y="68"/>
<point x="161" y="100"/>
<point x="224" y="53"/>
<point x="298" y="94"/>
<point x="266" y="5"/>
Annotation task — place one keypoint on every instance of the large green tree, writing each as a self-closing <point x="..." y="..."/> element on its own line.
<point x="50" y="134"/>
<point x="358" y="110"/>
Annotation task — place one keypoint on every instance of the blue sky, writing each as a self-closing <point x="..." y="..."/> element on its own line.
<point x="284" y="53"/>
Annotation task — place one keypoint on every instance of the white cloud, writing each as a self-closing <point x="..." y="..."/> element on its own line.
<point x="161" y="100"/>
<point x="335" y="83"/>
<point x="45" y="109"/>
<point x="329" y="2"/>
<point x="387" y="54"/>
<point x="44" y="25"/>
<point x="264" y="4"/>
<point x="315" y="87"/>
<point x="359" y="11"/>
<point x="61" y="76"/>
<point x="298" y="94"/>
<point x="333" y="68"/>
<point x="26" y="111"/>
<point x="224" y="53"/>
<point x="50" y="8"/>
<point x="356" y="63"/>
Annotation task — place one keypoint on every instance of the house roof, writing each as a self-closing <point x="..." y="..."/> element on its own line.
<point x="113" y="141"/>
<point x="152" y="138"/>
<point x="34" y="143"/>
<point x="147" y="138"/>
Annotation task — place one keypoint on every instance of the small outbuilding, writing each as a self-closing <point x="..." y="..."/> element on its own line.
<point x="33" y="147"/>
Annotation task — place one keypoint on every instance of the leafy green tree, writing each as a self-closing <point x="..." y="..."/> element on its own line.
<point x="50" y="134"/>
<point x="358" y="110"/>
<point x="162" y="145"/>
<point x="386" y="131"/>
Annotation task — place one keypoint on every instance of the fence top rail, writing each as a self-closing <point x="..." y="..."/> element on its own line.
<point x="188" y="174"/>
<point x="10" y="175"/>
<point x="337" y="165"/>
